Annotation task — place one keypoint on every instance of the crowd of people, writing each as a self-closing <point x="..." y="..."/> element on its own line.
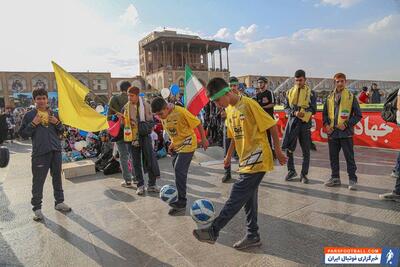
<point x="244" y="125"/>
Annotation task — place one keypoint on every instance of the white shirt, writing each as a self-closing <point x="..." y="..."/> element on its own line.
<point x="154" y="137"/>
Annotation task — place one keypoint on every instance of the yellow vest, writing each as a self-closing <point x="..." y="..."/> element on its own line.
<point x="301" y="98"/>
<point x="346" y="102"/>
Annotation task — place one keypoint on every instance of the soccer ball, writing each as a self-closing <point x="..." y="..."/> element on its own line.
<point x="169" y="194"/>
<point x="202" y="211"/>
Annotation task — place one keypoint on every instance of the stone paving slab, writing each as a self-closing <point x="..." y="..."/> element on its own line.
<point x="112" y="226"/>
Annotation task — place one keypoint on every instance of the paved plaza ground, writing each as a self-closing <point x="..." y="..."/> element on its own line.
<point x="112" y="226"/>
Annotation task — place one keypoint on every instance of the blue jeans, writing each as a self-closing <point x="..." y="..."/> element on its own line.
<point x="397" y="169"/>
<point x="181" y="164"/>
<point x="244" y="193"/>
<point x="124" y="155"/>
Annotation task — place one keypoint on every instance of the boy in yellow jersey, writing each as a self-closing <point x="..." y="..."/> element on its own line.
<point x="247" y="124"/>
<point x="179" y="123"/>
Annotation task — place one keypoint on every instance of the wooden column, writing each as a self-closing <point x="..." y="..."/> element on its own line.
<point x="163" y="53"/>
<point x="188" y="54"/>
<point x="220" y="59"/>
<point x="207" y="57"/>
<point x="227" y="57"/>
<point x="172" y="55"/>
<point x="182" y="56"/>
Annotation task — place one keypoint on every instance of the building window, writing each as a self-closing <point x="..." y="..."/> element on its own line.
<point x="16" y="84"/>
<point x="100" y="83"/>
<point x="40" y="82"/>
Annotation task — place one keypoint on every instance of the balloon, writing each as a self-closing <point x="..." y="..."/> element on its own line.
<point x="78" y="146"/>
<point x="84" y="143"/>
<point x="82" y="133"/>
<point x="141" y="94"/>
<point x="174" y="89"/>
<point x="165" y="92"/>
<point x="100" y="109"/>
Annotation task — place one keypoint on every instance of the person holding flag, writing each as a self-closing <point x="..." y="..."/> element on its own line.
<point x="45" y="129"/>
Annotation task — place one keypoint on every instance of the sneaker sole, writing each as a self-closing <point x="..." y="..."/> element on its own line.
<point x="389" y="199"/>
<point x="258" y="244"/>
<point x="177" y="211"/>
<point x="332" y="185"/>
<point x="203" y="240"/>
<point x="60" y="210"/>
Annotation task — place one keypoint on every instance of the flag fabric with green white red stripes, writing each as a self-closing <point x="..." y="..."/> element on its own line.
<point x="195" y="93"/>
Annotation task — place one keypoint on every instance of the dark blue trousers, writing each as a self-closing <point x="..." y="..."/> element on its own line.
<point x="244" y="193"/>
<point x="40" y="167"/>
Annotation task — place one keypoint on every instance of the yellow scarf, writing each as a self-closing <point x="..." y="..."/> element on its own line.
<point x="346" y="102"/>
<point x="44" y="117"/>
<point x="301" y="98"/>
<point x="128" y="135"/>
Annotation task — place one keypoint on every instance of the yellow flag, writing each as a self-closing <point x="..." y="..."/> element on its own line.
<point x="72" y="109"/>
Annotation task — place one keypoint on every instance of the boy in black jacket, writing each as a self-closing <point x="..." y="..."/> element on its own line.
<point x="45" y="129"/>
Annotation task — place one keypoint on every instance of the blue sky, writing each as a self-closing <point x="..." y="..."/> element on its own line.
<point x="359" y="37"/>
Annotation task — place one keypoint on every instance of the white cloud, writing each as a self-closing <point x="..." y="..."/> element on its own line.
<point x="244" y="34"/>
<point x="68" y="32"/>
<point x="130" y="16"/>
<point x="389" y="23"/>
<point x="222" y="33"/>
<point x="340" y="3"/>
<point x="367" y="53"/>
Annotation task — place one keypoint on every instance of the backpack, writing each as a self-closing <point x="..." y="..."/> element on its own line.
<point x="111" y="167"/>
<point x="4" y="156"/>
<point x="390" y="107"/>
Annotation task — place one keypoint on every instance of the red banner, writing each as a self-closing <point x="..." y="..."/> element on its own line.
<point x="371" y="131"/>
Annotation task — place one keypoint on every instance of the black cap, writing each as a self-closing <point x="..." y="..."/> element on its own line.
<point x="262" y="78"/>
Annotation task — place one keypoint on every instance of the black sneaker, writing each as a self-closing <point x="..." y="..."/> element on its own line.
<point x="304" y="179"/>
<point x="226" y="177"/>
<point x="291" y="176"/>
<point x="247" y="243"/>
<point x="333" y="182"/>
<point x="205" y="235"/>
<point x="313" y="147"/>
<point x="176" y="211"/>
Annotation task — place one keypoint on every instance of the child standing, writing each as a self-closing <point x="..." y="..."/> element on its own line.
<point x="45" y="129"/>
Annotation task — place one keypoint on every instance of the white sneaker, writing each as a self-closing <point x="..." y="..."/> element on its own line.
<point x="63" y="207"/>
<point x="140" y="190"/>
<point x="153" y="189"/>
<point x="352" y="185"/>
<point x="38" y="215"/>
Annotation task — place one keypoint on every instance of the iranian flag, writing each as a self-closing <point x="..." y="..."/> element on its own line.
<point x="195" y="93"/>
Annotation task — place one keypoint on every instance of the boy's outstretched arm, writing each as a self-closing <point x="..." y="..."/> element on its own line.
<point x="277" y="146"/>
